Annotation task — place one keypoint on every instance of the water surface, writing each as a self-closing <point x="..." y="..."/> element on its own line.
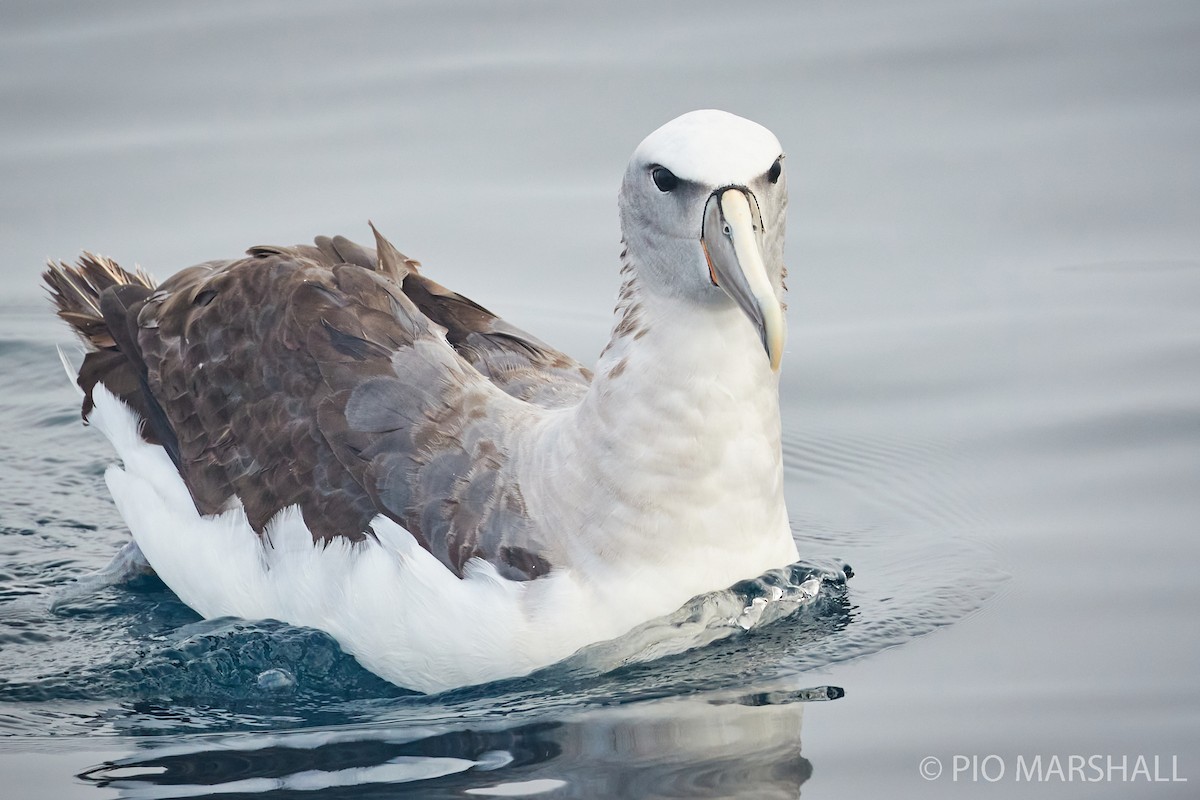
<point x="991" y="391"/>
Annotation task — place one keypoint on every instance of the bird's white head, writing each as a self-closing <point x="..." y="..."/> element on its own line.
<point x="703" y="208"/>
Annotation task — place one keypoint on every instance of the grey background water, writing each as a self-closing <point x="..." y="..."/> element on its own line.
<point x="991" y="391"/>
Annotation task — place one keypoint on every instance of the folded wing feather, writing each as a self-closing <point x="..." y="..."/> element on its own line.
<point x="336" y="378"/>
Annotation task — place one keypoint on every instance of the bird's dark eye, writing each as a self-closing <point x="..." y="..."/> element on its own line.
<point x="775" y="171"/>
<point x="664" y="179"/>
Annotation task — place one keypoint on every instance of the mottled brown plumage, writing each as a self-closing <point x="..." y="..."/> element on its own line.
<point x="318" y="376"/>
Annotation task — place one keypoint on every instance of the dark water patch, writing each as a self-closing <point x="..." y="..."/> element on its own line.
<point x="144" y="644"/>
<point x="15" y="633"/>
<point x="63" y="419"/>
<point x="311" y="763"/>
<point x="14" y="350"/>
<point x="206" y="663"/>
<point x="701" y="750"/>
<point x="776" y="698"/>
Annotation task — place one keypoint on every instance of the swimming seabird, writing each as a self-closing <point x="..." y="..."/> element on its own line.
<point x="322" y="435"/>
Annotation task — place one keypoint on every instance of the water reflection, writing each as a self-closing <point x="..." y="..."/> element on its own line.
<point x="716" y="746"/>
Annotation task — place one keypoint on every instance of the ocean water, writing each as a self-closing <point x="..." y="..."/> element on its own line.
<point x="991" y="390"/>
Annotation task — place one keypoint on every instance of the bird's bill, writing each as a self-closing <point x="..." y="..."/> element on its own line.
<point x="732" y="242"/>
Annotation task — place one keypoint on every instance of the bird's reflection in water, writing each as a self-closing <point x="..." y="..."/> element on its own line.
<point x="716" y="746"/>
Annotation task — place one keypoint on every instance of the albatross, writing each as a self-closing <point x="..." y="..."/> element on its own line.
<point x="323" y="435"/>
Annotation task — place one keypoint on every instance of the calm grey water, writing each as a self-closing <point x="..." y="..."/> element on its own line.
<point x="991" y="392"/>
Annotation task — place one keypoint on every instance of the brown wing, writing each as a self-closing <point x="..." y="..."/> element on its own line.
<point x="291" y="378"/>
<point x="518" y="362"/>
